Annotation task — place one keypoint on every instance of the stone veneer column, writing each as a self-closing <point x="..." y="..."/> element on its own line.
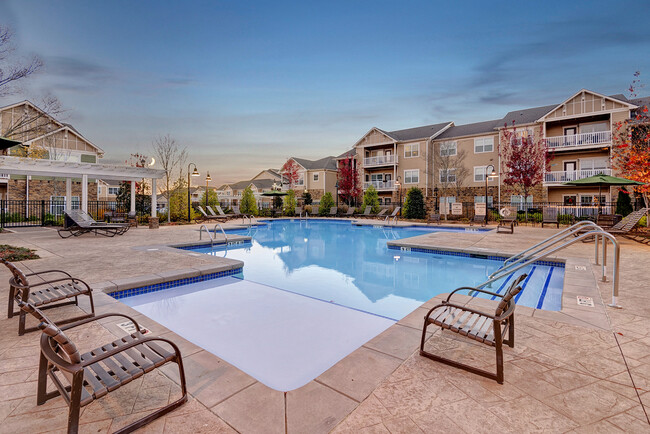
<point x="133" y="196"/>
<point x="84" y="192"/>
<point x="68" y="194"/>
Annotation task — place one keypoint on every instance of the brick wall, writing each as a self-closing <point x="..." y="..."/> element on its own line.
<point x="44" y="190"/>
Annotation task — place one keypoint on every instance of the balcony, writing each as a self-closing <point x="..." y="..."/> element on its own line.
<point x="571" y="175"/>
<point x="380" y="160"/>
<point x="380" y="185"/>
<point x="583" y="140"/>
<point x="4" y="176"/>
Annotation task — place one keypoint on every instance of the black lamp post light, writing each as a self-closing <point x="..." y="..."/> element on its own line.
<point x="189" y="185"/>
<point x="493" y="174"/>
<point x="398" y="185"/>
<point x="207" y="180"/>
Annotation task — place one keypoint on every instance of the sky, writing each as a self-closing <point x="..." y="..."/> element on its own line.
<point x="245" y="85"/>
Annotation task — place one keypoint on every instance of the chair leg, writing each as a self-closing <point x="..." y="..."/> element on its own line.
<point x="41" y="391"/>
<point x="499" y="351"/>
<point x="12" y="295"/>
<point x="75" y="402"/>
<point x="511" y="331"/>
<point x="21" y="322"/>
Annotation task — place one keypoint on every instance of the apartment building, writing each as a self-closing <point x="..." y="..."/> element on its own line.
<point x="315" y="176"/>
<point x="394" y="161"/>
<point x="230" y="194"/>
<point x="44" y="137"/>
<point x="449" y="162"/>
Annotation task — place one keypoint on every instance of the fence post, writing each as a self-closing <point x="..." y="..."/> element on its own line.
<point x="3" y="203"/>
<point x="42" y="212"/>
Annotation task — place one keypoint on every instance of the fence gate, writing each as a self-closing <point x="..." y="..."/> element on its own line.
<point x="17" y="213"/>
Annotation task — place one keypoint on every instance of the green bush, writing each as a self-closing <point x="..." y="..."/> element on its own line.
<point x="623" y="204"/>
<point x="643" y="222"/>
<point x="290" y="203"/>
<point x="326" y="202"/>
<point x="307" y="198"/>
<point x="414" y="205"/>
<point x="248" y="204"/>
<point x="371" y="199"/>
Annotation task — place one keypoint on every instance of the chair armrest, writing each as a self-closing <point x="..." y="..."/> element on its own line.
<point x="49" y="282"/>
<point x="458" y="306"/>
<point x="470" y="288"/>
<point x="131" y="344"/>
<point x="95" y="318"/>
<point x="38" y="273"/>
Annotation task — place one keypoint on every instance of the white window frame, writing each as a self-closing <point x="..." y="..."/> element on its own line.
<point x="519" y="200"/>
<point x="410" y="176"/>
<point x="481" y="143"/>
<point x="315" y="177"/>
<point x="447" y="173"/>
<point x="445" y="148"/>
<point x="412" y="150"/>
<point x="481" y="199"/>
<point x="479" y="173"/>
<point x="116" y="189"/>
<point x="448" y="199"/>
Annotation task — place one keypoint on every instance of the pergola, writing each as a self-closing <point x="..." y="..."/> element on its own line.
<point x="70" y="170"/>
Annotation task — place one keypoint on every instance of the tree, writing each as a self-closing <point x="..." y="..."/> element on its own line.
<point x="171" y="158"/>
<point x="348" y="178"/>
<point x="623" y="203"/>
<point x="307" y="198"/>
<point x="524" y="160"/>
<point x="213" y="198"/>
<point x="290" y="172"/>
<point x="450" y="171"/>
<point x="29" y="122"/>
<point x="371" y="199"/>
<point x="142" y="201"/>
<point x="326" y="202"/>
<point x="177" y="204"/>
<point x="414" y="205"/>
<point x="290" y="203"/>
<point x="631" y="151"/>
<point x="248" y="204"/>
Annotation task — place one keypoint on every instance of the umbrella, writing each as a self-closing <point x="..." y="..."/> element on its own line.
<point x="7" y="143"/>
<point x="601" y="180"/>
<point x="274" y="193"/>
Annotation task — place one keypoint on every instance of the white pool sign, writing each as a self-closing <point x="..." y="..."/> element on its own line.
<point x="457" y="208"/>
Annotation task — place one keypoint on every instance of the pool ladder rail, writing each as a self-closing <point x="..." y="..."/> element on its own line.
<point x="580" y="231"/>
<point x="212" y="238"/>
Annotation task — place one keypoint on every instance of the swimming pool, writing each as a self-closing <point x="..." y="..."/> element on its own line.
<point x="312" y="291"/>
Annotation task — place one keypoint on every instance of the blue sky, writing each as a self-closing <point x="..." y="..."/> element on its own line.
<point x="244" y="85"/>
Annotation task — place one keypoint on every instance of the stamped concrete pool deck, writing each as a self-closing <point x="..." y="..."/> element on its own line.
<point x="583" y="369"/>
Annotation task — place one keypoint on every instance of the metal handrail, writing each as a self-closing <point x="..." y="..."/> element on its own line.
<point x="548" y="242"/>
<point x="208" y="232"/>
<point x="225" y="237"/>
<point x="541" y="255"/>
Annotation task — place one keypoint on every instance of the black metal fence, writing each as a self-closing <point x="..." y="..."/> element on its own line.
<point x="20" y="213"/>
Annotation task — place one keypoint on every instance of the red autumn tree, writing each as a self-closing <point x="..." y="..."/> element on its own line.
<point x="348" y="179"/>
<point x="290" y="172"/>
<point x="631" y="152"/>
<point x="524" y="160"/>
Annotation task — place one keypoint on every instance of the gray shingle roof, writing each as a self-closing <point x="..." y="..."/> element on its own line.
<point x="526" y="116"/>
<point x="471" y="129"/>
<point x="417" y="133"/>
<point x="327" y="163"/>
<point x="352" y="152"/>
<point x="262" y="183"/>
<point x="641" y="102"/>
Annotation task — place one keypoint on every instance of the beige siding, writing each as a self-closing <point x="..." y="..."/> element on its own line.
<point x="412" y="163"/>
<point x="585" y="103"/>
<point x="374" y="137"/>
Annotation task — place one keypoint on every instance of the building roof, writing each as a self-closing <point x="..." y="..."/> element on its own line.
<point x="418" y="132"/>
<point x="470" y="129"/>
<point x="262" y="184"/>
<point x="641" y="102"/>
<point x="347" y="154"/>
<point x="327" y="163"/>
<point x="525" y="116"/>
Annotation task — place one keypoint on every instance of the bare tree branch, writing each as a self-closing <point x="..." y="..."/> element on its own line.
<point x="12" y="71"/>
<point x="171" y="158"/>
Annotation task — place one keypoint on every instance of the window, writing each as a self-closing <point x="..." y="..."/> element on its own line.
<point x="479" y="174"/>
<point x="448" y="175"/>
<point x="448" y="199"/>
<point x="99" y="189"/>
<point x="592" y="200"/>
<point x="594" y="128"/>
<point x="412" y="150"/>
<point x="518" y="201"/>
<point x="481" y="199"/>
<point x="594" y="163"/>
<point x="412" y="176"/>
<point x="315" y="177"/>
<point x="113" y="190"/>
<point x="377" y="177"/>
<point x="387" y="201"/>
<point x="57" y="204"/>
<point x="447" y="149"/>
<point x="483" y="144"/>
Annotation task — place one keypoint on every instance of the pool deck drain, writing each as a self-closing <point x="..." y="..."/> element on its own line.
<point x="565" y="373"/>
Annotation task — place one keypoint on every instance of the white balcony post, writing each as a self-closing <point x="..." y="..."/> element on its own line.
<point x="154" y="198"/>
<point x="132" y="196"/>
<point x="84" y="192"/>
<point x="68" y="194"/>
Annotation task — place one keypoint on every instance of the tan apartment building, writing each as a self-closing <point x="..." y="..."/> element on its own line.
<point x="315" y="176"/>
<point x="230" y="194"/>
<point x="448" y="162"/>
<point x="43" y="137"/>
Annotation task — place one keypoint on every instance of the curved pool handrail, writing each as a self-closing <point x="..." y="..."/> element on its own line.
<point x="225" y="237"/>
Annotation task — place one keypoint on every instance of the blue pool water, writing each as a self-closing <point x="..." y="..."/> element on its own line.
<point x="352" y="266"/>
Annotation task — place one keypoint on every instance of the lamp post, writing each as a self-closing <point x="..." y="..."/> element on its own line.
<point x="207" y="180"/>
<point x="189" y="185"/>
<point x="399" y="191"/>
<point x="492" y="174"/>
<point x="337" y="193"/>
<point x="435" y="197"/>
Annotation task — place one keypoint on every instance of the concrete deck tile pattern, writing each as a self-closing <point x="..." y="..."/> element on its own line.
<point x="583" y="369"/>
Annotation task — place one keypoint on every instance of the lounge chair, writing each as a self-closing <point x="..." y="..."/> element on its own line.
<point x="549" y="216"/>
<point x="235" y="210"/>
<point x="508" y="220"/>
<point x="627" y="224"/>
<point x="82" y="378"/>
<point x="366" y="212"/>
<point x="298" y="211"/>
<point x="210" y="217"/>
<point x="480" y="219"/>
<point x="45" y="293"/>
<point x="333" y="211"/>
<point x="380" y="214"/>
<point x="349" y="212"/>
<point x="433" y="218"/>
<point x="220" y="211"/>
<point x="78" y="222"/>
<point x="486" y="328"/>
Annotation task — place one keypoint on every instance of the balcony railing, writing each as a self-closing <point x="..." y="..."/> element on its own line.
<point x="380" y="185"/>
<point x="572" y="175"/>
<point x="380" y="160"/>
<point x="4" y="176"/>
<point x="577" y="140"/>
